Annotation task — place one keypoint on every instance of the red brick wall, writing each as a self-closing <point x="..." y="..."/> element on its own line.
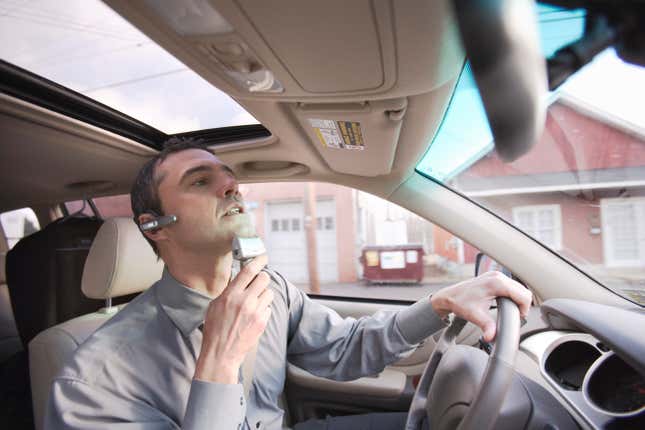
<point x="580" y="143"/>
<point x="443" y="244"/>
<point x="572" y="142"/>
<point x="578" y="217"/>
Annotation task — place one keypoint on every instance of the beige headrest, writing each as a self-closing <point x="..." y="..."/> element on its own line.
<point x="120" y="261"/>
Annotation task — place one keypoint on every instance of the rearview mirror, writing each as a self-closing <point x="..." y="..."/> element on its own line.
<point x="502" y="44"/>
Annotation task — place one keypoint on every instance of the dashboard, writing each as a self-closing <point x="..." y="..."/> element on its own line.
<point x="593" y="357"/>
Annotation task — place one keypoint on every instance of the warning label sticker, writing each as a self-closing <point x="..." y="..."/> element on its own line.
<point x="338" y="134"/>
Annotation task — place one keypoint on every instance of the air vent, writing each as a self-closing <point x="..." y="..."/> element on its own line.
<point x="568" y="363"/>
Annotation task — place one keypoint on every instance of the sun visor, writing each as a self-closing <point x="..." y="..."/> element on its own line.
<point x="354" y="138"/>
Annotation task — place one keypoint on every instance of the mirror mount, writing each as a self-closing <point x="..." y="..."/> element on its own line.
<point x="566" y="61"/>
<point x="620" y="24"/>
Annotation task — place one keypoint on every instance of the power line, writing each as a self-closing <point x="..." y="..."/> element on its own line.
<point x="67" y="27"/>
<point x="58" y="19"/>
<point x="64" y="25"/>
<point x="54" y="53"/>
<point x="15" y="8"/>
<point x="569" y="18"/>
<point x="55" y="14"/>
<point x="76" y="56"/>
<point x="131" y="81"/>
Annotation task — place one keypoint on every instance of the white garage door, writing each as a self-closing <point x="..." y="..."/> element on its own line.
<point x="286" y="242"/>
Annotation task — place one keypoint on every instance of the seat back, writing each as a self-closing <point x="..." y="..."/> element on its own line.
<point x="44" y="273"/>
<point x="49" y="351"/>
<point x="120" y="263"/>
<point x="9" y="340"/>
<point x="15" y="406"/>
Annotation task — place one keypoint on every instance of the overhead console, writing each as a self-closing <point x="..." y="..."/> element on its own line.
<point x="329" y="50"/>
<point x="344" y="71"/>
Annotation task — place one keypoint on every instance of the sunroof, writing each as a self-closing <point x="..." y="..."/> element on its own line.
<point x="87" y="47"/>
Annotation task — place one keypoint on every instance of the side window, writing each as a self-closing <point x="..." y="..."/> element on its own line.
<point x="365" y="247"/>
<point x="109" y="206"/>
<point x="114" y="206"/>
<point x="18" y="224"/>
<point x="79" y="207"/>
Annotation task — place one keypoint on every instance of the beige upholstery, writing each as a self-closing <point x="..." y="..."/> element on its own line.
<point x="120" y="261"/>
<point x="50" y="349"/>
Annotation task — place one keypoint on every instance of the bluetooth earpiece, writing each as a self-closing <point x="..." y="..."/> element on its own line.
<point x="158" y="222"/>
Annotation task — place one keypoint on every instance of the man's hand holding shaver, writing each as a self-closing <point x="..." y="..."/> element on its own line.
<point x="234" y="323"/>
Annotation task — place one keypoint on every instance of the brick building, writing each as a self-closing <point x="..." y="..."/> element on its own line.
<point x="581" y="190"/>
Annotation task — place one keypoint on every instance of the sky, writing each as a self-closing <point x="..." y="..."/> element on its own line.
<point x="85" y="46"/>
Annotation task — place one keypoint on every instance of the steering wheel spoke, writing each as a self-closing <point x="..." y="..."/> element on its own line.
<point x="491" y="388"/>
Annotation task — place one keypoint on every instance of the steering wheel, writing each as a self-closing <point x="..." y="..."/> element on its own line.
<point x="446" y="386"/>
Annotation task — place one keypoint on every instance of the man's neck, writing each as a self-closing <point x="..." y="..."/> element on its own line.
<point x="209" y="274"/>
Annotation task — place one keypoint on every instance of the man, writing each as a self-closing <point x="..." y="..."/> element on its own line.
<point x="172" y="357"/>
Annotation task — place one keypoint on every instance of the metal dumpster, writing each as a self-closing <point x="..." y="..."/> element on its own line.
<point x="393" y="264"/>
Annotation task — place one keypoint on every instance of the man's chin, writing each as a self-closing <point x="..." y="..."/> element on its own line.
<point x="242" y="226"/>
<point x="244" y="231"/>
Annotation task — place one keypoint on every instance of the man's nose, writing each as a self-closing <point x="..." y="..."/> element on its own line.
<point x="229" y="189"/>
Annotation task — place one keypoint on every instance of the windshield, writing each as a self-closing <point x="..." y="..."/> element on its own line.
<point x="581" y="189"/>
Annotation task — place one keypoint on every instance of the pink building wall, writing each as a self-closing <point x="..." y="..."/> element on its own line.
<point x="578" y="242"/>
<point x="580" y="143"/>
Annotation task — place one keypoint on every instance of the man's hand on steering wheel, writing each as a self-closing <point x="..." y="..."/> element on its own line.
<point x="471" y="299"/>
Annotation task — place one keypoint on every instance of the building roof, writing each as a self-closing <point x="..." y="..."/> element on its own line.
<point x="601" y="156"/>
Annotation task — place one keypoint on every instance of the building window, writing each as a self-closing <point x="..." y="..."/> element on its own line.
<point x="329" y="223"/>
<point x="275" y="225"/>
<point x="285" y="224"/>
<point x="623" y="235"/>
<point x="295" y="224"/>
<point x="543" y="222"/>
<point x="319" y="223"/>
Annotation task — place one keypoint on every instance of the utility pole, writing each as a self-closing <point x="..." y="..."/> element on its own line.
<point x="310" y="234"/>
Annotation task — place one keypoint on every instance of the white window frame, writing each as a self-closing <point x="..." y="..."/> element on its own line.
<point x="610" y="261"/>
<point x="557" y="222"/>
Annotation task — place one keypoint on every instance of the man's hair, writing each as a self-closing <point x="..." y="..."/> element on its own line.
<point x="144" y="196"/>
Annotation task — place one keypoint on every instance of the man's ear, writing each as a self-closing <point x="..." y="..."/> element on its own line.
<point x="156" y="235"/>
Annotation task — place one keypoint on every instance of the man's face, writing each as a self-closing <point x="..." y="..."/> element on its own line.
<point x="203" y="193"/>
